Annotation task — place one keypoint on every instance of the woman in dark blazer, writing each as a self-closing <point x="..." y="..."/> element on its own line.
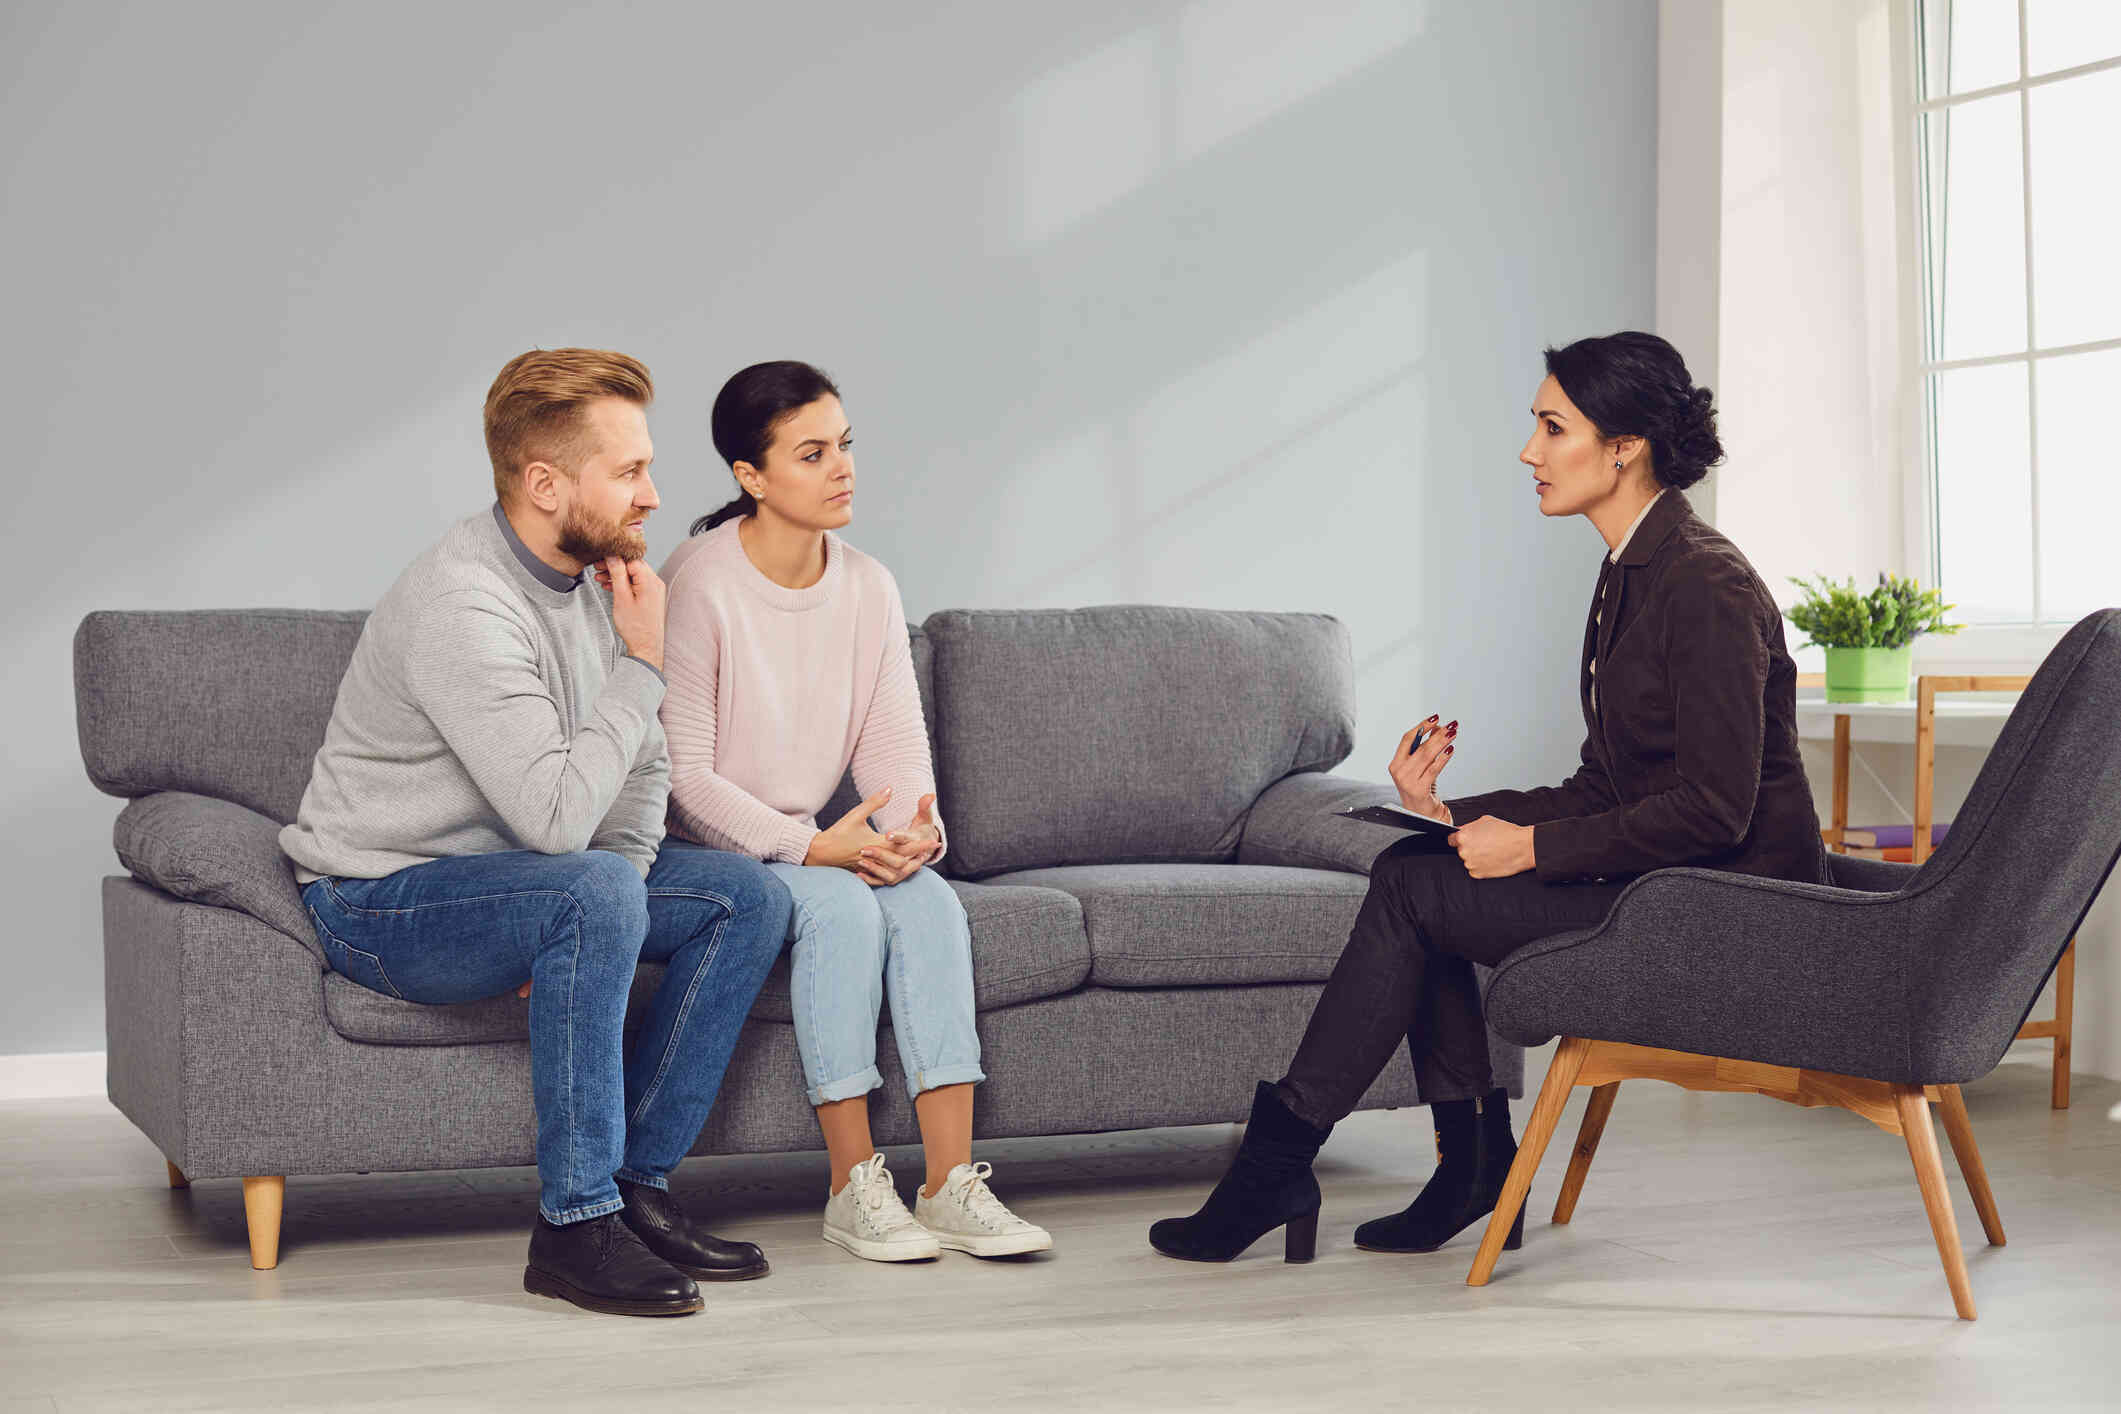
<point x="1690" y="757"/>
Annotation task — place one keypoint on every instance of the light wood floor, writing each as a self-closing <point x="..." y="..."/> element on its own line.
<point x="1729" y="1253"/>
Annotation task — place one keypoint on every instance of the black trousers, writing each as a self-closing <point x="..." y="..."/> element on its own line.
<point x="1407" y="975"/>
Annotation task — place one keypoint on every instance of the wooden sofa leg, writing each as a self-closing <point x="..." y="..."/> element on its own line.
<point x="1553" y="1099"/>
<point x="2065" y="1016"/>
<point x="176" y="1176"/>
<point x="1960" y="1130"/>
<point x="261" y="1208"/>
<point x="1594" y="1118"/>
<point x="1921" y="1137"/>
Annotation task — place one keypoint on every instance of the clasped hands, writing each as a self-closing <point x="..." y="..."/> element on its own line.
<point x="878" y="860"/>
<point x="1489" y="848"/>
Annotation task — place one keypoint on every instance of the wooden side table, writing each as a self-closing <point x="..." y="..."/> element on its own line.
<point x="1925" y="711"/>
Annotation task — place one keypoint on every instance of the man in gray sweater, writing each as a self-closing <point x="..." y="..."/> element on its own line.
<point x="486" y="815"/>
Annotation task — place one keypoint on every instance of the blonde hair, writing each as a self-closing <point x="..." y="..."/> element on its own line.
<point x="534" y="408"/>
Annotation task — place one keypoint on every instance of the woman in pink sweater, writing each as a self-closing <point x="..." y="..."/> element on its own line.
<point x="788" y="662"/>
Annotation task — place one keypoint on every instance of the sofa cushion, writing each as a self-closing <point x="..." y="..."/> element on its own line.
<point x="1126" y="734"/>
<point x="361" y="1015"/>
<point x="1294" y="823"/>
<point x="213" y="852"/>
<point x="226" y="703"/>
<point x="1186" y="925"/>
<point x="1027" y="943"/>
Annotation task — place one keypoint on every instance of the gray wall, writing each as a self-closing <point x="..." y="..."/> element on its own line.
<point x="1166" y="302"/>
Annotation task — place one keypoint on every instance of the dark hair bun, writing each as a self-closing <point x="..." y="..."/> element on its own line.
<point x="1633" y="384"/>
<point x="1684" y="448"/>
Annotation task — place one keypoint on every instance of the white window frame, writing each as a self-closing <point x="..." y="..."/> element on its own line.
<point x="2010" y="643"/>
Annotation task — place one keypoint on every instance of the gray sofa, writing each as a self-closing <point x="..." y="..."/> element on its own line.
<point x="1140" y="831"/>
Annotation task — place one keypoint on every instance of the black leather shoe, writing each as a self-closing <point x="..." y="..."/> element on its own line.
<point x="1474" y="1151"/>
<point x="600" y="1265"/>
<point x="1269" y="1185"/>
<point x="655" y="1218"/>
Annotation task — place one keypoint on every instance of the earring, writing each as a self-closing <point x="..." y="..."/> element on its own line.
<point x="1618" y="467"/>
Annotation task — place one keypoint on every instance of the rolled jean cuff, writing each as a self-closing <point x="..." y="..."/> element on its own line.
<point x="582" y="1214"/>
<point x="860" y="1083"/>
<point x="936" y="1077"/>
<point x="646" y="1180"/>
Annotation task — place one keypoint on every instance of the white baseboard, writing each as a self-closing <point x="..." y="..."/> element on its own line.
<point x="62" y="1075"/>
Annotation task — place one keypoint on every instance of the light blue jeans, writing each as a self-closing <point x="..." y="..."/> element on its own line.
<point x="853" y="944"/>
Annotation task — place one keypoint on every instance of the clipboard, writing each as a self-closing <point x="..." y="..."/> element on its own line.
<point x="1392" y="817"/>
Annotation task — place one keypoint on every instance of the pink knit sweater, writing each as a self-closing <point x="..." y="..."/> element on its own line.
<point x="774" y="692"/>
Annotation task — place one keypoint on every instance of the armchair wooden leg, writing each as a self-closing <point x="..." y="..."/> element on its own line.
<point x="176" y="1176"/>
<point x="1960" y="1130"/>
<point x="1594" y="1118"/>
<point x="1553" y="1099"/>
<point x="262" y="1198"/>
<point x="1915" y="1124"/>
<point x="2065" y="1017"/>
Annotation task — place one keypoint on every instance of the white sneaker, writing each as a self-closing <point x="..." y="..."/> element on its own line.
<point x="967" y="1217"/>
<point x="869" y="1219"/>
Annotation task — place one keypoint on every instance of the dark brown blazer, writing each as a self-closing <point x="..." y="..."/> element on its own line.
<point x="1691" y="756"/>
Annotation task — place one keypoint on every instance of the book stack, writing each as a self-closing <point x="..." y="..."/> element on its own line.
<point x="1892" y="842"/>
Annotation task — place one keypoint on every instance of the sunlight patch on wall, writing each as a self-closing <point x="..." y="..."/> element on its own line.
<point x="1240" y="62"/>
<point x="1101" y="127"/>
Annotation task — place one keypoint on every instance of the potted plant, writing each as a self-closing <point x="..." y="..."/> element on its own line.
<point x="1868" y="638"/>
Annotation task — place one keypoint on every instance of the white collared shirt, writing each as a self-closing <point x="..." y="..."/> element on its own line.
<point x="1633" y="526"/>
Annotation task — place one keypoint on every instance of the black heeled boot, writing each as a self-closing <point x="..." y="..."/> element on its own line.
<point x="1474" y="1151"/>
<point x="1269" y="1185"/>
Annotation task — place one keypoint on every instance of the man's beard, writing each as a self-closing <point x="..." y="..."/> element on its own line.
<point x="591" y="542"/>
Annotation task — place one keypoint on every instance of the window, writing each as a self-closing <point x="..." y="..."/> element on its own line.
<point x="2017" y="120"/>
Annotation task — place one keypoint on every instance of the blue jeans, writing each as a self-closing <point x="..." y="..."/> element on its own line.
<point x="574" y="926"/>
<point x="853" y="943"/>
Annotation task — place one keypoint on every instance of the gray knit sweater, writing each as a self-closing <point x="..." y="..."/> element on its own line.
<point x="489" y="706"/>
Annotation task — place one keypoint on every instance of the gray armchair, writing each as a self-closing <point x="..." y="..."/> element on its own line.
<point x="1879" y="994"/>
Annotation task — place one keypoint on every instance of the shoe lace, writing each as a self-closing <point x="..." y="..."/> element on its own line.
<point x="878" y="1196"/>
<point x="979" y="1200"/>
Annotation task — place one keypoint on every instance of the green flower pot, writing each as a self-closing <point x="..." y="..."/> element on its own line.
<point x="1869" y="674"/>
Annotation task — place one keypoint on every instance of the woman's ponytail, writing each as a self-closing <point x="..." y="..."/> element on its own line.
<point x="743" y="505"/>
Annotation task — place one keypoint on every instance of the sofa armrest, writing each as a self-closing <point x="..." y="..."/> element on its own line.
<point x="1724" y="965"/>
<point x="1292" y="824"/>
<point x="214" y="852"/>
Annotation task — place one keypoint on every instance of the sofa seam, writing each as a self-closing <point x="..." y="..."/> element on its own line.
<point x="1335" y="865"/>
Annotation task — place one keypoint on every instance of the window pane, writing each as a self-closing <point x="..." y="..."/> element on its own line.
<point x="2079" y="571"/>
<point x="1974" y="158"/>
<point x="1968" y="44"/>
<point x="1984" y="492"/>
<point x="2076" y="209"/>
<point x="2061" y="34"/>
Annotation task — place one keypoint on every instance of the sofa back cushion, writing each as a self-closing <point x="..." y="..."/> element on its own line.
<point x="1124" y="734"/>
<point x="229" y="703"/>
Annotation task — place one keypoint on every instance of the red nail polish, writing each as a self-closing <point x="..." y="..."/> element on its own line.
<point x="1453" y="726"/>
